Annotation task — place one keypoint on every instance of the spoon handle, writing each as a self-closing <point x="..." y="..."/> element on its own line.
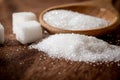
<point x="103" y="4"/>
<point x="106" y="4"/>
<point x="105" y="1"/>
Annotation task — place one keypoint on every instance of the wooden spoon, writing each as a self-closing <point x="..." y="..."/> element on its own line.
<point x="97" y="8"/>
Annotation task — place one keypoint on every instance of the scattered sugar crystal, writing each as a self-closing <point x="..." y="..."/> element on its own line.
<point x="52" y="63"/>
<point x="22" y="17"/>
<point x="1" y="34"/>
<point x="119" y="64"/>
<point x="28" y="32"/>
<point x="70" y="20"/>
<point x="21" y="63"/>
<point x="78" y="48"/>
<point x="44" y="68"/>
<point x="59" y="73"/>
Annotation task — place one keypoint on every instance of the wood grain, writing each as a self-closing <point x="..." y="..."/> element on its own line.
<point x="17" y="62"/>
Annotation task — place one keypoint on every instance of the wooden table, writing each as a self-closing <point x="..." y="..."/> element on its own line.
<point x="17" y="62"/>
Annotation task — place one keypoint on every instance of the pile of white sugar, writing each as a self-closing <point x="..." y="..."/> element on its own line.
<point x="69" y="20"/>
<point x="78" y="48"/>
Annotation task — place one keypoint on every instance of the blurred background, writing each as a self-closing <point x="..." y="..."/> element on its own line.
<point x="14" y="64"/>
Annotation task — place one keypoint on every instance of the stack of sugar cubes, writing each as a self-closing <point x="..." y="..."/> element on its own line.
<point x="1" y="34"/>
<point x="26" y="27"/>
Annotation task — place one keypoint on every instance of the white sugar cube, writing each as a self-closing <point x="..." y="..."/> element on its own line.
<point x="21" y="17"/>
<point x="28" y="32"/>
<point x="1" y="34"/>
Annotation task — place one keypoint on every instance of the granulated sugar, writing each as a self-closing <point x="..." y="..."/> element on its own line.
<point x="78" y="48"/>
<point x="70" y="20"/>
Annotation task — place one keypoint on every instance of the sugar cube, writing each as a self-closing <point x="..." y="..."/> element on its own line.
<point x="28" y="32"/>
<point x="21" y="17"/>
<point x="1" y="34"/>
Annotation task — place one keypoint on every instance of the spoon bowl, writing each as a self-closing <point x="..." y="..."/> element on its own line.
<point x="97" y="8"/>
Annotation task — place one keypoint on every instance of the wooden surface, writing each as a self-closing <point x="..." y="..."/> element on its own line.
<point x="17" y="62"/>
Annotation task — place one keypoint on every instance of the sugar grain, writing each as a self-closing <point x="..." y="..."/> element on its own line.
<point x="78" y="48"/>
<point x="69" y="20"/>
